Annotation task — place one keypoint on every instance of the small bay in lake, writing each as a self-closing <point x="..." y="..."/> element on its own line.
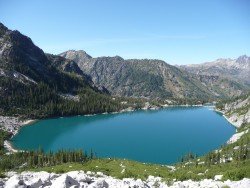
<point x="159" y="136"/>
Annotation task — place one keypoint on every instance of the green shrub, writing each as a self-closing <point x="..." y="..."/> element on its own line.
<point x="236" y="174"/>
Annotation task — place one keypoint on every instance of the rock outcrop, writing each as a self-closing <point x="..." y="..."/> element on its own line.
<point x="238" y="111"/>
<point x="99" y="180"/>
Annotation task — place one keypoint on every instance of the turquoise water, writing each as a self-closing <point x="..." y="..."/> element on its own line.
<point x="161" y="136"/>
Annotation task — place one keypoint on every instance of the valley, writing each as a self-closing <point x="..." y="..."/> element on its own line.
<point x="69" y="92"/>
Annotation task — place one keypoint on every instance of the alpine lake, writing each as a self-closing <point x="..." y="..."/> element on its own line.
<point x="153" y="136"/>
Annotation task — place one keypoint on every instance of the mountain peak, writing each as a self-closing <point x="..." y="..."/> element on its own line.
<point x="243" y="59"/>
<point x="76" y="55"/>
<point x="118" y="58"/>
<point x="3" y="27"/>
<point x="235" y="69"/>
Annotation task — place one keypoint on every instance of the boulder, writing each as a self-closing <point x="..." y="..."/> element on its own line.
<point x="100" y="183"/>
<point x="244" y="183"/>
<point x="64" y="181"/>
<point x="1" y="183"/>
<point x="36" y="179"/>
<point x="218" y="177"/>
<point x="80" y="176"/>
<point x="15" y="181"/>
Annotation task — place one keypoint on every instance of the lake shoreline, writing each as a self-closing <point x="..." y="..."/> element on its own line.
<point x="13" y="125"/>
<point x="224" y="115"/>
<point x="236" y="135"/>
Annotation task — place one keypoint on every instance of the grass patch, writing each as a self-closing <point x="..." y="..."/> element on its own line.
<point x="113" y="167"/>
<point x="133" y="169"/>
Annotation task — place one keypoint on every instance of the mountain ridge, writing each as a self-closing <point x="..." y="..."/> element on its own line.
<point x="237" y="69"/>
<point x="139" y="78"/>
<point x="124" y="77"/>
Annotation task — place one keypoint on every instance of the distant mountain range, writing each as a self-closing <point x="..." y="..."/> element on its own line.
<point x="153" y="78"/>
<point x="34" y="82"/>
<point x="234" y="69"/>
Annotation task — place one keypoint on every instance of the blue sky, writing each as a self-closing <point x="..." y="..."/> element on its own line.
<point x="179" y="32"/>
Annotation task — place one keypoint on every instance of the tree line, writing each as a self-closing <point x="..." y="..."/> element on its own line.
<point x="35" y="159"/>
<point x="42" y="101"/>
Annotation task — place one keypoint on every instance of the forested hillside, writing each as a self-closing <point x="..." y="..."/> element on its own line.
<point x="35" y="86"/>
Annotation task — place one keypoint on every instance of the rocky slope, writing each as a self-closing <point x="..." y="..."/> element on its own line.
<point x="223" y="87"/>
<point x="237" y="110"/>
<point x="99" y="180"/>
<point x="64" y="64"/>
<point x="237" y="69"/>
<point x="19" y="57"/>
<point x="149" y="78"/>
